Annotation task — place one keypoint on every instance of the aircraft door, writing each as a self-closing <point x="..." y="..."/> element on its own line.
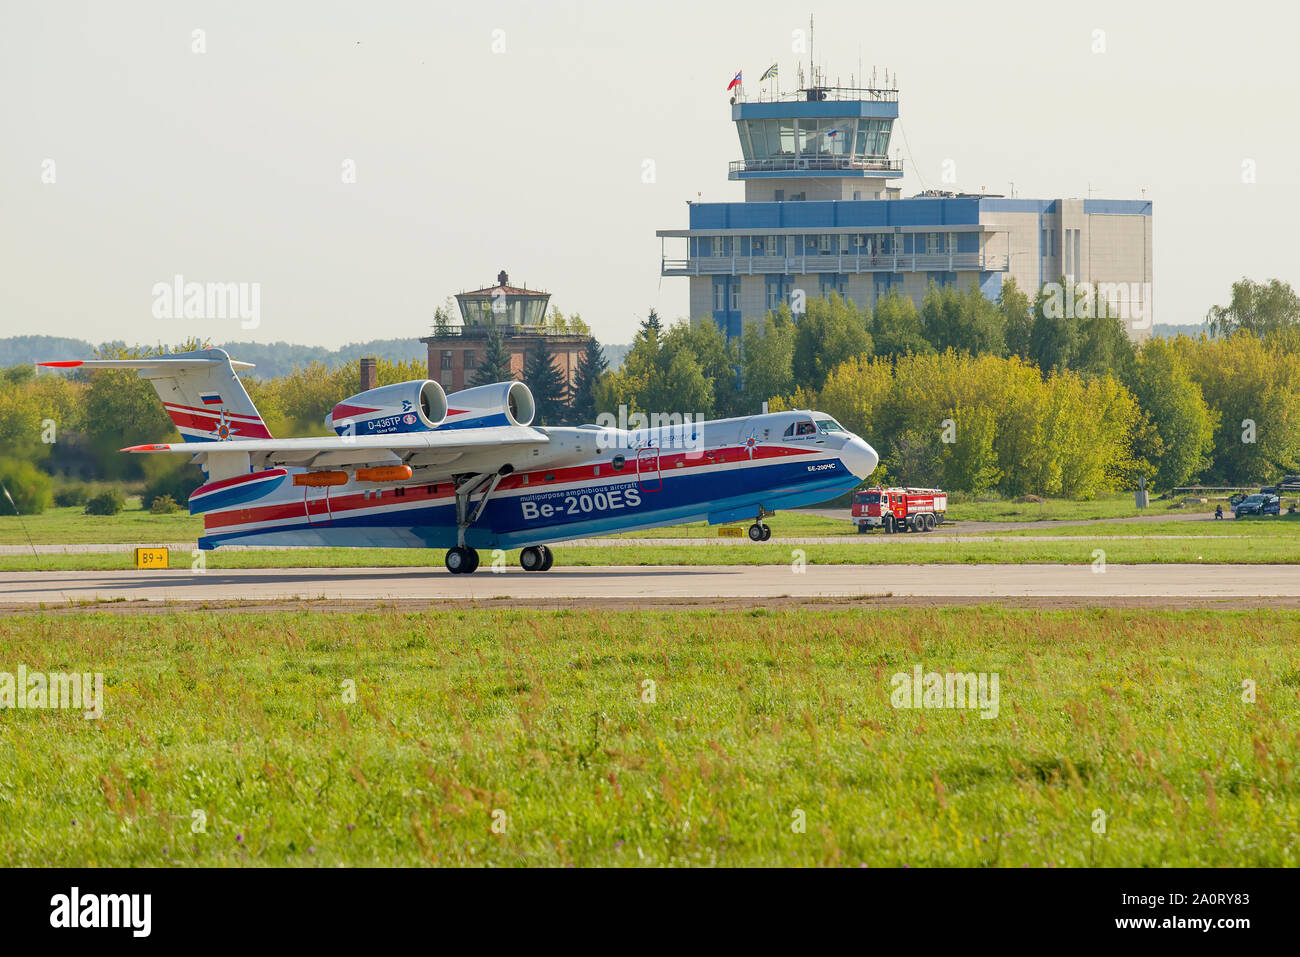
<point x="316" y="502"/>
<point x="648" y="478"/>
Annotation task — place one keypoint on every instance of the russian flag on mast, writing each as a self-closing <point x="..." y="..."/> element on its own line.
<point x="735" y="82"/>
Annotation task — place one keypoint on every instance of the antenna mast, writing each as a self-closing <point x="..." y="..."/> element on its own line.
<point x="812" y="64"/>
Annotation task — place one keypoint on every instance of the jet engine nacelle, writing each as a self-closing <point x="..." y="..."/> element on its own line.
<point x="502" y="403"/>
<point x="416" y="406"/>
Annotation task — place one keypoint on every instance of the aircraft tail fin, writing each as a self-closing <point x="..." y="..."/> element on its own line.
<point x="200" y="390"/>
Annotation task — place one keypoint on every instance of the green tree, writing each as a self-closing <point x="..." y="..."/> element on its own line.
<point x="661" y="374"/>
<point x="126" y="411"/>
<point x="766" y="357"/>
<point x="1181" y="422"/>
<point x="444" y="317"/>
<point x="495" y="365"/>
<point x="966" y="322"/>
<point x="1104" y="346"/>
<point x="831" y="331"/>
<point x="592" y="367"/>
<point x="1054" y="334"/>
<point x="896" y="327"/>
<point x="30" y="490"/>
<point x="1250" y="383"/>
<point x="547" y="383"/>
<point x="717" y="362"/>
<point x="1017" y="318"/>
<point x="972" y="464"/>
<point x="1260" y="309"/>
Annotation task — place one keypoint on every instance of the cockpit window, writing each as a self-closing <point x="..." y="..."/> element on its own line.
<point x="829" y="425"/>
<point x="805" y="428"/>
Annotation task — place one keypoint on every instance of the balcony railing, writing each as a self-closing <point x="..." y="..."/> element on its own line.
<point x="505" y="329"/>
<point x="784" y="164"/>
<point x="845" y="262"/>
<point x="849" y="94"/>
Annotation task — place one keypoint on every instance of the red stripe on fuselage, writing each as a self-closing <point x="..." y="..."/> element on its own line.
<point x="238" y="480"/>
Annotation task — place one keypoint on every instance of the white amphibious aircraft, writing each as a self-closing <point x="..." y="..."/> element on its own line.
<point x="407" y="466"/>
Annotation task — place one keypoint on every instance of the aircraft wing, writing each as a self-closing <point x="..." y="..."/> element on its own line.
<point x="397" y="442"/>
<point x="426" y="452"/>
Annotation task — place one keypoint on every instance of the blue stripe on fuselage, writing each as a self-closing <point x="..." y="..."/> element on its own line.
<point x="686" y="498"/>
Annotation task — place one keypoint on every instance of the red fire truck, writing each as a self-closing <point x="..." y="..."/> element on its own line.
<point x="899" y="509"/>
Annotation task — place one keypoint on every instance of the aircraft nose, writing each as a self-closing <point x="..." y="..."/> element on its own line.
<point x="858" y="457"/>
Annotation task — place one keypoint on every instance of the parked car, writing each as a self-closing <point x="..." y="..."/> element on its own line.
<point x="1261" y="503"/>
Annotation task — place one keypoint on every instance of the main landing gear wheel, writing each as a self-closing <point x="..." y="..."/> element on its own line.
<point x="759" y="532"/>
<point x="536" y="558"/>
<point x="461" y="560"/>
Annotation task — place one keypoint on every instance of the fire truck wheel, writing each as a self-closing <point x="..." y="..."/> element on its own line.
<point x="889" y="525"/>
<point x="929" y="522"/>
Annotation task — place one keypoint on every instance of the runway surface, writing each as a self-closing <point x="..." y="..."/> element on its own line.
<point x="1248" y="584"/>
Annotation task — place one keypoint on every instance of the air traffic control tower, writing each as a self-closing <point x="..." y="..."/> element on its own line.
<point x="823" y="212"/>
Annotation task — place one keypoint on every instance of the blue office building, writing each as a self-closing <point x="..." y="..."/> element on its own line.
<point x="823" y="212"/>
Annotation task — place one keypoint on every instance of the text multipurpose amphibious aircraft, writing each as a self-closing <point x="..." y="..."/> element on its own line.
<point x="408" y="466"/>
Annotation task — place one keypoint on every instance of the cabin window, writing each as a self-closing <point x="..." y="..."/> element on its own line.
<point x="618" y="463"/>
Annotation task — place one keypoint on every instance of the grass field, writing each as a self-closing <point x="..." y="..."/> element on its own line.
<point x="656" y="738"/>
<point x="68" y="526"/>
<point x="1108" y="506"/>
<point x="1281" y="527"/>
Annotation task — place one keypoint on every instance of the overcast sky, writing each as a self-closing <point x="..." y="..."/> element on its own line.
<point x="228" y="165"/>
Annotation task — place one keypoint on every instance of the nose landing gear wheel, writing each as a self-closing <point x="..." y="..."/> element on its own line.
<point x="461" y="560"/>
<point x="759" y="532"/>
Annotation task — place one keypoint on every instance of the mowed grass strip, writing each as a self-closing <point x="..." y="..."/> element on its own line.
<point x="656" y="738"/>
<point x="909" y="551"/>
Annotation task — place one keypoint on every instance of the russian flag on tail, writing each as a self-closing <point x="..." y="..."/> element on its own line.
<point x="210" y="398"/>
